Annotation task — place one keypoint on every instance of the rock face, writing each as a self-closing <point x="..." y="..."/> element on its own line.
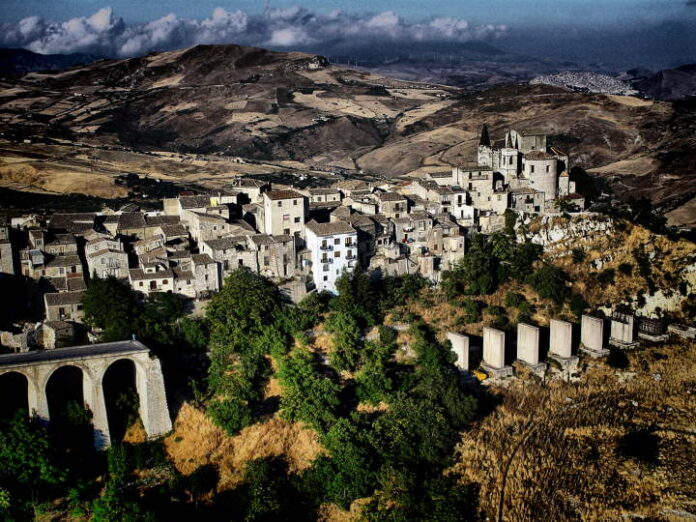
<point x="555" y="233"/>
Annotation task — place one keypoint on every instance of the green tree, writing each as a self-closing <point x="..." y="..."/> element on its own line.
<point x="308" y="394"/>
<point x="109" y="304"/>
<point x="356" y="297"/>
<point x="346" y="341"/>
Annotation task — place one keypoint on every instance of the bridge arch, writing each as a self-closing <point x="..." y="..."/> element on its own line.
<point x="14" y="393"/>
<point x="119" y="382"/>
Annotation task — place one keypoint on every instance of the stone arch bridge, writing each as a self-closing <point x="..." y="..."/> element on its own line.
<point x="94" y="361"/>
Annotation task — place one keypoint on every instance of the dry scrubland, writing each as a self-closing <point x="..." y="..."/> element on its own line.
<point x="617" y="444"/>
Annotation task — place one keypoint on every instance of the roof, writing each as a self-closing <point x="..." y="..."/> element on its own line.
<point x="330" y="229"/>
<point x="323" y="190"/>
<point x="441" y="174"/>
<point x="106" y="251"/>
<point x="359" y="220"/>
<point x="69" y="260"/>
<point x="210" y="217"/>
<point x="131" y="220"/>
<point x="138" y="274"/>
<point x="474" y="166"/>
<point x="226" y="243"/>
<point x="62" y="239"/>
<point x="201" y="259"/>
<point x="174" y="230"/>
<point x="391" y="196"/>
<point x="154" y="221"/>
<point x="532" y="132"/>
<point x="64" y="298"/>
<point x="250" y="183"/>
<point x="189" y="202"/>
<point x="538" y="155"/>
<point x="60" y="220"/>
<point x="183" y="274"/>
<point x="283" y="194"/>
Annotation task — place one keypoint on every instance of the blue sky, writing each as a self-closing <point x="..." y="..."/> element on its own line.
<point x="512" y="12"/>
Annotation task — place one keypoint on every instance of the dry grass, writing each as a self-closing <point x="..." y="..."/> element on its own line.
<point x="551" y="451"/>
<point x="196" y="441"/>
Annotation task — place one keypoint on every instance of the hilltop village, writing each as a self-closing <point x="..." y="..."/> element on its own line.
<point x="302" y="240"/>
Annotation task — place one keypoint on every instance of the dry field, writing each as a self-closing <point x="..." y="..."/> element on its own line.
<point x="618" y="445"/>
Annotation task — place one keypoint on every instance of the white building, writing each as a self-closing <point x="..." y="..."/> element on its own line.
<point x="334" y="249"/>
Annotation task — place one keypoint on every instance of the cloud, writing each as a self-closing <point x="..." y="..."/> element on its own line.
<point x="105" y="34"/>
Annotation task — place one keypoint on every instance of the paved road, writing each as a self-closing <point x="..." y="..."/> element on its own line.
<point x="74" y="352"/>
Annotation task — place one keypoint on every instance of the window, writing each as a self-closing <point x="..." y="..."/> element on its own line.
<point x="79" y="308"/>
<point x="337" y="254"/>
<point x="164" y="282"/>
<point x="294" y="202"/>
<point x="280" y="203"/>
<point x="286" y="217"/>
<point x="547" y="168"/>
<point x="531" y="169"/>
<point x="141" y="283"/>
<point x="350" y="254"/>
<point x="61" y="311"/>
<point x="297" y="220"/>
<point x="337" y="241"/>
<point x="337" y="271"/>
<point x="241" y="262"/>
<point x="286" y="231"/>
<point x="266" y="261"/>
<point x="206" y="277"/>
<point x="326" y="278"/>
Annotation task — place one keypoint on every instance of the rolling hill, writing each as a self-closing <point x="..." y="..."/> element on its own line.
<point x="298" y="111"/>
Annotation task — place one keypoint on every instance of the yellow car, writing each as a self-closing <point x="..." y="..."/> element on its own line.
<point x="480" y="375"/>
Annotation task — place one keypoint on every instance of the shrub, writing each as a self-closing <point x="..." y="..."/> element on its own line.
<point x="617" y="359"/>
<point x="513" y="299"/>
<point x="578" y="305"/>
<point x="550" y="282"/>
<point x="606" y="277"/>
<point x="230" y="414"/>
<point x="626" y="269"/>
<point x="345" y="342"/>
<point x="472" y="311"/>
<point x="578" y="255"/>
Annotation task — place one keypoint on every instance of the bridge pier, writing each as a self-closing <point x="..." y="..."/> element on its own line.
<point x="93" y="393"/>
<point x="37" y="399"/>
<point x="150" y="385"/>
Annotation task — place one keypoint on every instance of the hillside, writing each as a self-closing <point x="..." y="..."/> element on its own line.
<point x="266" y="106"/>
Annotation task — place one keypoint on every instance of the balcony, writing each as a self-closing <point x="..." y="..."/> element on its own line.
<point x="326" y="260"/>
<point x="326" y="248"/>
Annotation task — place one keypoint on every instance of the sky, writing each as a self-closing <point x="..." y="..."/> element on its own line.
<point x="564" y="28"/>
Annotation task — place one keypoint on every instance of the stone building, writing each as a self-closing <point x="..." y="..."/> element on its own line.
<point x="392" y="204"/>
<point x="284" y="213"/>
<point x="106" y="258"/>
<point x="64" y="306"/>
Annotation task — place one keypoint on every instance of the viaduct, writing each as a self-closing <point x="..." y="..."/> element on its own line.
<point x="94" y="361"/>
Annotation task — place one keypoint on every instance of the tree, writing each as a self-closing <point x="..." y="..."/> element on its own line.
<point x="345" y="342"/>
<point x="308" y="395"/>
<point x="230" y="414"/>
<point x="472" y="311"/>
<point x="550" y="282"/>
<point x="109" y="304"/>
<point x="245" y="305"/>
<point x="356" y="297"/>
